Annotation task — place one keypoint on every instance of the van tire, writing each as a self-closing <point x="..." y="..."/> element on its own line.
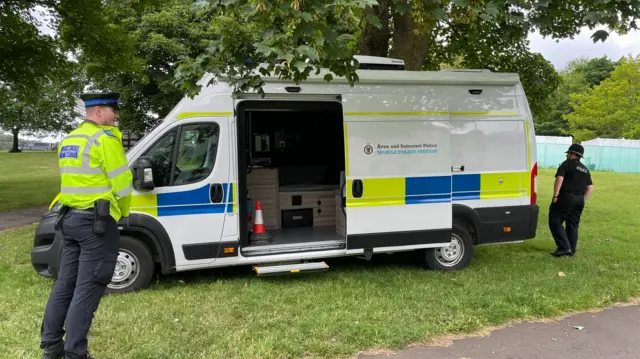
<point x="455" y="257"/>
<point x="134" y="267"/>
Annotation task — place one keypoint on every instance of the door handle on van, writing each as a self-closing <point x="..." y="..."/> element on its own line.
<point x="457" y="168"/>
<point x="357" y="188"/>
<point x="216" y="193"/>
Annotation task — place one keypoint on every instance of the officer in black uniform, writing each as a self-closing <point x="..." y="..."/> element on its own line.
<point x="572" y="187"/>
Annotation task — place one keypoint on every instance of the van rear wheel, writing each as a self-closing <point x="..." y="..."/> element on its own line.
<point x="456" y="255"/>
<point x="134" y="267"/>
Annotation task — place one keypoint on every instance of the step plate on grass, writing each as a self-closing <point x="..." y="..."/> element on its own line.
<point x="291" y="268"/>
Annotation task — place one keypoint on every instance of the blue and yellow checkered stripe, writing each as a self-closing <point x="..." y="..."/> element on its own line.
<point x="439" y="189"/>
<point x="196" y="201"/>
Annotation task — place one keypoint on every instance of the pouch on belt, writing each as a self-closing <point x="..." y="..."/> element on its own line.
<point x="100" y="216"/>
<point x="62" y="211"/>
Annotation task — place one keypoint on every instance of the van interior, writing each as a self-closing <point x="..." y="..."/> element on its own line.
<point x="291" y="159"/>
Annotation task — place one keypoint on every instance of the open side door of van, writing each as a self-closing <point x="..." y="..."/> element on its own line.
<point x="398" y="180"/>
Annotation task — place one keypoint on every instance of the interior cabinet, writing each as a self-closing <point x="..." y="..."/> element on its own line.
<point x="321" y="202"/>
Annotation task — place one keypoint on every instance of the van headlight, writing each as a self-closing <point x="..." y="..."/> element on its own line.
<point x="53" y="210"/>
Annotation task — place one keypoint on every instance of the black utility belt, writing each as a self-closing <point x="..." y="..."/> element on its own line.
<point x="80" y="211"/>
<point x="100" y="213"/>
<point x="570" y="194"/>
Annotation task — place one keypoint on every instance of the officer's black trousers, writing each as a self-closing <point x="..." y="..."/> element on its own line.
<point x="86" y="267"/>
<point x="568" y="208"/>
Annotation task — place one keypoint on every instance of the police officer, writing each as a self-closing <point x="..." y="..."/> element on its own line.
<point x="95" y="193"/>
<point x="572" y="187"/>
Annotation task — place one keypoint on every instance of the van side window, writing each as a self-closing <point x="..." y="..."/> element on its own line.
<point x="196" y="153"/>
<point x="161" y="155"/>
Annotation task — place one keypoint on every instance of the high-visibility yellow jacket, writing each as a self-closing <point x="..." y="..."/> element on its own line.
<point x="93" y="166"/>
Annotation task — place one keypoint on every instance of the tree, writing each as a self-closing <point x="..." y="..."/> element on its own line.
<point x="578" y="75"/>
<point x="595" y="70"/>
<point x="51" y="108"/>
<point x="81" y="27"/>
<point x="611" y="109"/>
<point x="160" y="35"/>
<point x="551" y="122"/>
<point x="297" y="37"/>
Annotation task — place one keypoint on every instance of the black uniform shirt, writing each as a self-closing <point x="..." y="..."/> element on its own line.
<point x="576" y="177"/>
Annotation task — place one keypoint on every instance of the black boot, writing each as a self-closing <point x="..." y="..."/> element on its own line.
<point x="560" y="253"/>
<point x="55" y="351"/>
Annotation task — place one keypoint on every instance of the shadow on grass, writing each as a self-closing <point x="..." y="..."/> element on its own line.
<point x="404" y="260"/>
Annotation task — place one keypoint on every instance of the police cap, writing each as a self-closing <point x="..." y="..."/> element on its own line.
<point x="576" y="149"/>
<point x="101" y="99"/>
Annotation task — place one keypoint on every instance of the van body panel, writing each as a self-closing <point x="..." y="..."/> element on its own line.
<point x="428" y="148"/>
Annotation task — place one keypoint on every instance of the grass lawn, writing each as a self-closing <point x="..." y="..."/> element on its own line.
<point x="357" y="305"/>
<point x="28" y="179"/>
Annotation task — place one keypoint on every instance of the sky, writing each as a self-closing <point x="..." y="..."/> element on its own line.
<point x="560" y="53"/>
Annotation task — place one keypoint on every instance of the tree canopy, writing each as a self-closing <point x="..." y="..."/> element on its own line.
<point x="611" y="109"/>
<point x="578" y="76"/>
<point x="154" y="51"/>
<point x="51" y="108"/>
<point x="297" y="37"/>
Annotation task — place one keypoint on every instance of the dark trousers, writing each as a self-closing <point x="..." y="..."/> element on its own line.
<point x="567" y="209"/>
<point x="86" y="267"/>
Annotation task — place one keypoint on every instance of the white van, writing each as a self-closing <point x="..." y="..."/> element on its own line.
<point x="433" y="162"/>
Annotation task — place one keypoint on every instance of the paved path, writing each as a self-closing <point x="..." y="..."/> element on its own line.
<point x="611" y="334"/>
<point x="22" y="217"/>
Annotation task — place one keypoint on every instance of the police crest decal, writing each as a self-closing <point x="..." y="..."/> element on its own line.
<point x="368" y="149"/>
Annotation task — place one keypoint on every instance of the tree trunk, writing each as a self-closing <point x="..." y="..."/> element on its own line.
<point x="14" y="148"/>
<point x="374" y="41"/>
<point x="408" y="44"/>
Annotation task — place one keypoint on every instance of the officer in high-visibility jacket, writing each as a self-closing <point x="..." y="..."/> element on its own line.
<point x="95" y="193"/>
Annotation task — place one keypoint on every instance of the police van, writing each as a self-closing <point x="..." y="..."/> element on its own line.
<point x="431" y="162"/>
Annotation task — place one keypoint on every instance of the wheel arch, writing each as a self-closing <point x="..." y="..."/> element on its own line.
<point x="468" y="218"/>
<point x="151" y="232"/>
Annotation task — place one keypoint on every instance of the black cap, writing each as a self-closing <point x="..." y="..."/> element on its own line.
<point x="577" y="149"/>
<point x="100" y="99"/>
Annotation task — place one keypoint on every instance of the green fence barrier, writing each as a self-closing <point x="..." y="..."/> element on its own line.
<point x="597" y="158"/>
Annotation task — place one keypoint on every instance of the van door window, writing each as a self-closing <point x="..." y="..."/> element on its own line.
<point x="196" y="153"/>
<point x="161" y="155"/>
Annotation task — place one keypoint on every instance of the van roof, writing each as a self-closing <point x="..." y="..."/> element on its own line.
<point x="401" y="77"/>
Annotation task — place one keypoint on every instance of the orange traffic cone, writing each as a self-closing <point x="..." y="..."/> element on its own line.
<point x="259" y="233"/>
<point x="258" y="225"/>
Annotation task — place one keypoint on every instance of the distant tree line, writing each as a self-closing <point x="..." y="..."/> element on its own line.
<point x="596" y="98"/>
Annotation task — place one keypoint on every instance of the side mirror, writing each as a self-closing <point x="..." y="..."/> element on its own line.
<point x="143" y="174"/>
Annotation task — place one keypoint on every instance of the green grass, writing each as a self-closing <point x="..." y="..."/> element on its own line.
<point x="28" y="179"/>
<point x="357" y="305"/>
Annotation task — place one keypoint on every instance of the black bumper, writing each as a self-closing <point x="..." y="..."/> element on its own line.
<point x="47" y="246"/>
<point x="533" y="221"/>
<point x="506" y="224"/>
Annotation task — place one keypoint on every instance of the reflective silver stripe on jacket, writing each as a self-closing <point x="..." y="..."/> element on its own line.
<point x="118" y="171"/>
<point x="124" y="192"/>
<point x="85" y="190"/>
<point x="81" y="170"/>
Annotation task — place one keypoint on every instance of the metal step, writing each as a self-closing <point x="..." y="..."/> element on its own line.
<point x="291" y="268"/>
<point x="291" y="248"/>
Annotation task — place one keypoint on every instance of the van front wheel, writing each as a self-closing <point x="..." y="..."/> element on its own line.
<point x="134" y="267"/>
<point x="456" y="255"/>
